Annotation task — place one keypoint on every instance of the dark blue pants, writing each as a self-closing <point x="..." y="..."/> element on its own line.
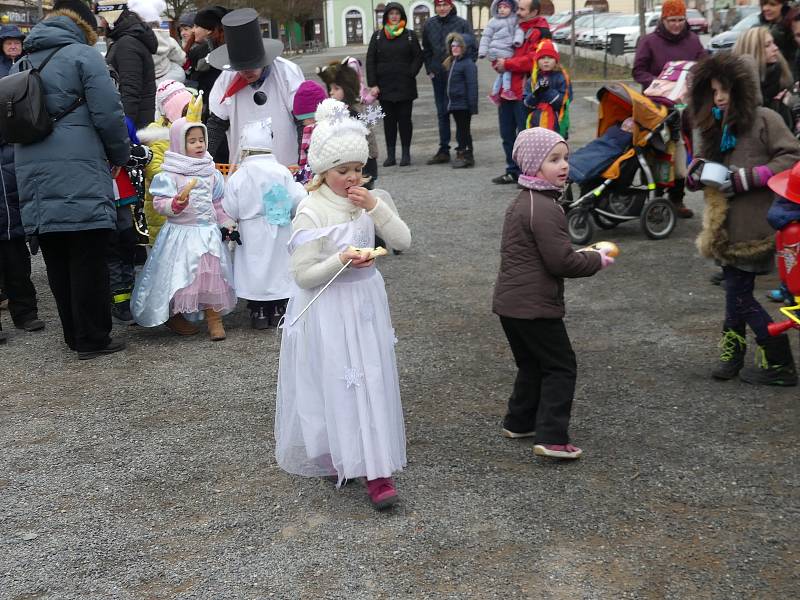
<point x="440" y="96"/>
<point x="741" y="307"/>
<point x="512" y="115"/>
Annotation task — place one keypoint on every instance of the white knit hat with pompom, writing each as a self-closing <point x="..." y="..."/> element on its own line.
<point x="337" y="138"/>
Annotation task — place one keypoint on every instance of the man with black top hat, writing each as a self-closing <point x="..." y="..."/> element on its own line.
<point x="256" y="83"/>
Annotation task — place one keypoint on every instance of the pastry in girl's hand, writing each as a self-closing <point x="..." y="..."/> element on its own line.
<point x="371" y="252"/>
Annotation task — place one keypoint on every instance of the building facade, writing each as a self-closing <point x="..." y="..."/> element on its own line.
<point x="352" y="22"/>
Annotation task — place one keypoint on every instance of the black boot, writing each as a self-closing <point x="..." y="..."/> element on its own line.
<point x="405" y="157"/>
<point x="774" y="364"/>
<point x="469" y="158"/>
<point x="390" y="157"/>
<point x="121" y="307"/>
<point x="732" y="348"/>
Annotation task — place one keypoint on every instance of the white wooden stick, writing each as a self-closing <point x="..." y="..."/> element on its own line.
<point x="319" y="293"/>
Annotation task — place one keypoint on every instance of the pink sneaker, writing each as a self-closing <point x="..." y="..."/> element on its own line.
<point x="382" y="492"/>
<point x="508" y="95"/>
<point x="557" y="451"/>
<point x="495" y="98"/>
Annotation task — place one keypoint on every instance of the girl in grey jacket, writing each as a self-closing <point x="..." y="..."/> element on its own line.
<point x="499" y="39"/>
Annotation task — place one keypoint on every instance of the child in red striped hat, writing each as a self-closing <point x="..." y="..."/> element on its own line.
<point x="549" y="91"/>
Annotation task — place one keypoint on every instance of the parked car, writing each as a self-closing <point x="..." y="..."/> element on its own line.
<point x="583" y="24"/>
<point x="697" y="22"/>
<point x="631" y="32"/>
<point x="596" y="38"/>
<point x="726" y="40"/>
<point x="561" y="21"/>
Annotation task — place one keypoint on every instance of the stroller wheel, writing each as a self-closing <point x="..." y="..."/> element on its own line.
<point x="580" y="227"/>
<point x="658" y="219"/>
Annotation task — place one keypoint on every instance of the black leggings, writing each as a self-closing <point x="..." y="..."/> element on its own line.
<point x="463" y="134"/>
<point x="397" y="115"/>
<point x="741" y="307"/>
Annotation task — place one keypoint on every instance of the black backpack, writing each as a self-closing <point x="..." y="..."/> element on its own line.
<point x="23" y="115"/>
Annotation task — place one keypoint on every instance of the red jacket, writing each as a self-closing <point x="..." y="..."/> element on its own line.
<point x="521" y="64"/>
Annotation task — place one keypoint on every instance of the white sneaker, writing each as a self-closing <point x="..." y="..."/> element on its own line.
<point x="557" y="451"/>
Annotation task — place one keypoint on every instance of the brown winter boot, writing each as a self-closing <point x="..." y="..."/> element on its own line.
<point x="178" y="324"/>
<point x="215" y="329"/>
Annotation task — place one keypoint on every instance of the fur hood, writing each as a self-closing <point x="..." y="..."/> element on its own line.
<point x="739" y="75"/>
<point x="340" y="73"/>
<point x="86" y="28"/>
<point x="714" y="240"/>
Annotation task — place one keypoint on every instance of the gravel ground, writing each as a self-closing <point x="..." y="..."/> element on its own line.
<point x="151" y="473"/>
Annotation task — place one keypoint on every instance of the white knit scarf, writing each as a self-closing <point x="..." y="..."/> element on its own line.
<point x="180" y="164"/>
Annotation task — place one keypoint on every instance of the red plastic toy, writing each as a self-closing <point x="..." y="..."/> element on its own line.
<point x="787" y="246"/>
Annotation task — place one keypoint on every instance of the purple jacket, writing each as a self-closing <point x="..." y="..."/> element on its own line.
<point x="660" y="47"/>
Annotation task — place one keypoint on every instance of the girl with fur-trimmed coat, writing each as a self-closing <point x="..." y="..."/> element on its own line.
<point x="754" y="143"/>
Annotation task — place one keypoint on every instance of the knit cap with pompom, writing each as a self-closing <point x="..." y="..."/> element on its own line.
<point x="337" y="138"/>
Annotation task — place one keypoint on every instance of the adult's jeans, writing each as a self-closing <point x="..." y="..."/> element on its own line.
<point x="512" y="115"/>
<point x="440" y="96"/>
<point x="545" y="383"/>
<point x="77" y="271"/>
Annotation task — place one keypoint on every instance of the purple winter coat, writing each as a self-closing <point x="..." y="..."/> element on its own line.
<point x="660" y="47"/>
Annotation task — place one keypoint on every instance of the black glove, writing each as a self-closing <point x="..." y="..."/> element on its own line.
<point x="230" y="234"/>
<point x="140" y="156"/>
<point x="33" y="243"/>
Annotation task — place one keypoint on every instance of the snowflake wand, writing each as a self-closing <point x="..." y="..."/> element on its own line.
<point x="319" y="293"/>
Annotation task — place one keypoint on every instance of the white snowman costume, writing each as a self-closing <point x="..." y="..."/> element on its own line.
<point x="262" y="196"/>
<point x="280" y="85"/>
<point x="338" y="409"/>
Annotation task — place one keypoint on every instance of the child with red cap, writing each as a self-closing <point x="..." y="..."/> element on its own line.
<point x="549" y="91"/>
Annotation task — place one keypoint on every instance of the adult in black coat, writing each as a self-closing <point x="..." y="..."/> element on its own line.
<point x="394" y="58"/>
<point x="133" y="44"/>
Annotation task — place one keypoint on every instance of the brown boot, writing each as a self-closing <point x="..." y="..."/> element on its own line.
<point x="178" y="324"/>
<point x="215" y="329"/>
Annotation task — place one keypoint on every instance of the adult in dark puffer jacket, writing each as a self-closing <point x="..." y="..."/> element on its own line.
<point x="133" y="44"/>
<point x="394" y="58"/>
<point x="65" y="184"/>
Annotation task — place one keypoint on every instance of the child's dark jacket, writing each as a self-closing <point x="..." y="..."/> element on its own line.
<point x="536" y="255"/>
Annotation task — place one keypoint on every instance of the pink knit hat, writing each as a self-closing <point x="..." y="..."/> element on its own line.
<point x="306" y="100"/>
<point x="171" y="98"/>
<point x="530" y="149"/>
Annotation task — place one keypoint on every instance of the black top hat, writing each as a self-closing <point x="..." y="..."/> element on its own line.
<point x="245" y="48"/>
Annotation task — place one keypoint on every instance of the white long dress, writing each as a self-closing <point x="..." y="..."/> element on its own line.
<point x="261" y="197"/>
<point x="279" y="86"/>
<point x="338" y="407"/>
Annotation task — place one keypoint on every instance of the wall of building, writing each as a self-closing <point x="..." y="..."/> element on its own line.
<point x="352" y="22"/>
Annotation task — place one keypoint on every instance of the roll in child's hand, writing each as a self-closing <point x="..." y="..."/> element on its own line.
<point x="360" y="259"/>
<point x="183" y="197"/>
<point x="361" y="197"/>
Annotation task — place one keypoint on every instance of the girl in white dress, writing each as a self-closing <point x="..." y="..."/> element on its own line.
<point x="338" y="408"/>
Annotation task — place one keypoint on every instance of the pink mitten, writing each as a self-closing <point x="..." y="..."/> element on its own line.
<point x="605" y="259"/>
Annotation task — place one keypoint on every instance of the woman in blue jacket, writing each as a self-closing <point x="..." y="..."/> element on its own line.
<point x="462" y="94"/>
<point x="65" y="180"/>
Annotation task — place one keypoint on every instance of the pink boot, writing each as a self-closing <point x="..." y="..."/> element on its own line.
<point x="382" y="492"/>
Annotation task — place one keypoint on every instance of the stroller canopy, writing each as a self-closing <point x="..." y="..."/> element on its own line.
<point x="618" y="102"/>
